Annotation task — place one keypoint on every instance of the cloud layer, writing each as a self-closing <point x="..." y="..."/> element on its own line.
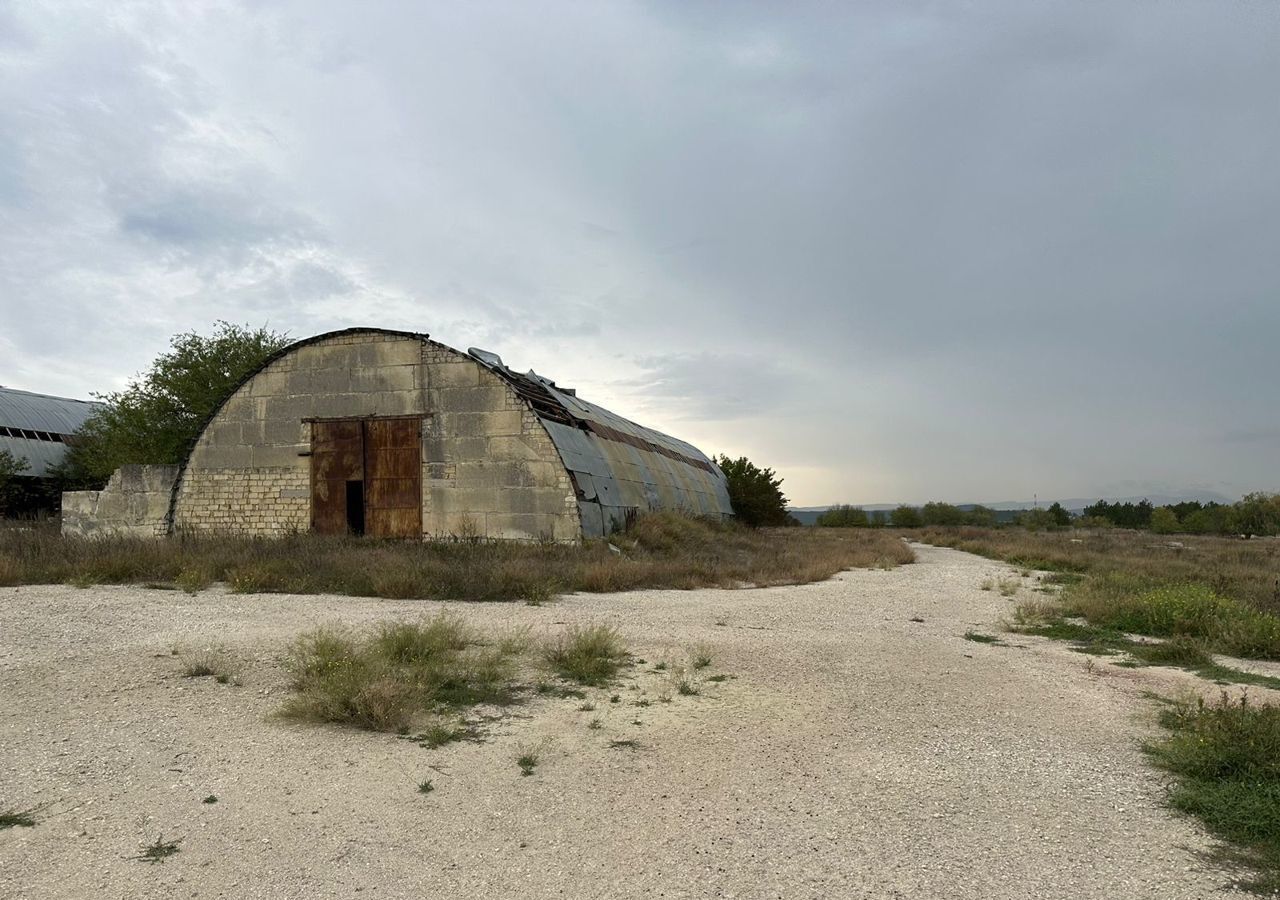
<point x="897" y="252"/>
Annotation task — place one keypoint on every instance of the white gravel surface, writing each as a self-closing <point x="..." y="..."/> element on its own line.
<point x="853" y="753"/>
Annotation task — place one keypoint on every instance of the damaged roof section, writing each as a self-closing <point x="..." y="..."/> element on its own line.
<point x="617" y="466"/>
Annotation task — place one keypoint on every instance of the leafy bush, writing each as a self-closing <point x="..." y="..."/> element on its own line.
<point x="843" y="517"/>
<point x="905" y="517"/>
<point x="755" y="493"/>
<point x="1164" y="521"/>
<point x="934" y="513"/>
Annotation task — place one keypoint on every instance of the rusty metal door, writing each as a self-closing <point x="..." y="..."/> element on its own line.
<point x="393" y="477"/>
<point x="337" y="459"/>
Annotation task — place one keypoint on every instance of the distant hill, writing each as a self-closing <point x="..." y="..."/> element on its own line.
<point x="808" y="515"/>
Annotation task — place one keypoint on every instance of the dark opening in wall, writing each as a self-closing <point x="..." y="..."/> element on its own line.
<point x="355" y="507"/>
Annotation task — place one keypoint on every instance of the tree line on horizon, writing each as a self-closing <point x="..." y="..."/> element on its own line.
<point x="1255" y="514"/>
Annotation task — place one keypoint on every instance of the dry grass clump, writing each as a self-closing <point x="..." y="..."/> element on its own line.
<point x="700" y="655"/>
<point x="661" y="550"/>
<point x="404" y="675"/>
<point x="399" y="674"/>
<point x="1031" y="613"/>
<point x="205" y="662"/>
<point x="589" y="655"/>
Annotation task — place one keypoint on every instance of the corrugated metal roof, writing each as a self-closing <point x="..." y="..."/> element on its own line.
<point x="39" y="455"/>
<point x="45" y="420"/>
<point x="41" y="412"/>
<point x="617" y="466"/>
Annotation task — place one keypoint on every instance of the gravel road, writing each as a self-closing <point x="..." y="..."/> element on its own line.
<point x="853" y="752"/>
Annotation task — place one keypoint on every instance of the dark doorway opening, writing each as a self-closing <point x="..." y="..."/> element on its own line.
<point x="355" y="507"/>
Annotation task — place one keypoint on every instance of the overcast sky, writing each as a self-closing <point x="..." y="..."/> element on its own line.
<point x="897" y="251"/>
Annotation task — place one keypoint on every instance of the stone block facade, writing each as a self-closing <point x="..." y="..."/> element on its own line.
<point x="135" y="502"/>
<point x="489" y="469"/>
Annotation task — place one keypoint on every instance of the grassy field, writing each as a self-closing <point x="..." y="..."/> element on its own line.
<point x="1220" y="593"/>
<point x="1247" y="571"/>
<point x="1203" y="596"/>
<point x="662" y="550"/>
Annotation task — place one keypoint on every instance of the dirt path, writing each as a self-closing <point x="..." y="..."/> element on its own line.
<point x="853" y="753"/>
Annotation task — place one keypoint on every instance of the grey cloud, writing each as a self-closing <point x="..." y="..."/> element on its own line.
<point x="194" y="219"/>
<point x="901" y="250"/>
<point x="715" y="387"/>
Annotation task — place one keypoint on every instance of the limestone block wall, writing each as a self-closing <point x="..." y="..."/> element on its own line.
<point x="489" y="467"/>
<point x="249" y="471"/>
<point x="134" y="502"/>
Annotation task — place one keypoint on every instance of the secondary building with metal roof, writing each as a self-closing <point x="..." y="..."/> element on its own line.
<point x="389" y="433"/>
<point x="35" y="427"/>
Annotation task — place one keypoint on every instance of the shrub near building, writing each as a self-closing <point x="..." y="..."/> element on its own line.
<point x="756" y="493"/>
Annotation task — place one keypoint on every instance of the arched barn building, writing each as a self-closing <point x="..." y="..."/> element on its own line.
<point x="391" y="434"/>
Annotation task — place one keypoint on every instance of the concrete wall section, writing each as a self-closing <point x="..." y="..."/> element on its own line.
<point x="134" y="502"/>
<point x="489" y="467"/>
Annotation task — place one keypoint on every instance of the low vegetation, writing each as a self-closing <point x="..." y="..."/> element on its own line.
<point x="527" y="759"/>
<point x="205" y="662"/>
<point x="1225" y="759"/>
<point x="395" y="677"/>
<point x="1181" y="651"/>
<point x="686" y="683"/>
<point x="416" y="678"/>
<point x="1218" y="591"/>
<point x="589" y="655"/>
<point x="158" y="850"/>
<point x="1188" y="610"/>
<point x="1244" y="571"/>
<point x="979" y="638"/>
<point x="17" y="818"/>
<point x="661" y="550"/>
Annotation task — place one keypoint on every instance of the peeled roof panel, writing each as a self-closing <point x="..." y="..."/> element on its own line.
<point x="630" y="466"/>
<point x="41" y="412"/>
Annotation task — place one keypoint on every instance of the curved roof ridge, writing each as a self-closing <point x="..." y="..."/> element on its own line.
<point x="43" y="412"/>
